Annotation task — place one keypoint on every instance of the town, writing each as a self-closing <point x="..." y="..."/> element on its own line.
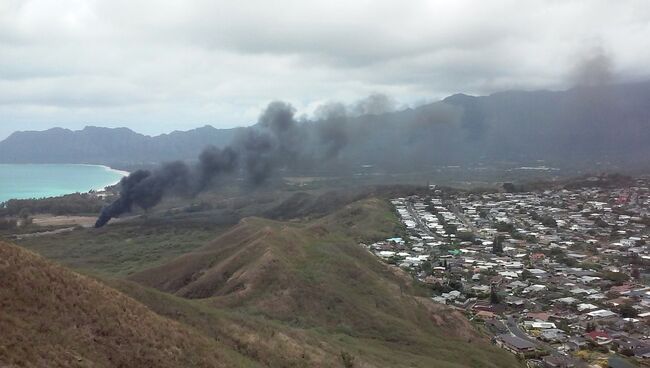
<point x="559" y="277"/>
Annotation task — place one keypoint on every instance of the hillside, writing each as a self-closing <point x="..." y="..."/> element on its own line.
<point x="314" y="276"/>
<point x="294" y="293"/>
<point x="56" y="318"/>
<point x="604" y="127"/>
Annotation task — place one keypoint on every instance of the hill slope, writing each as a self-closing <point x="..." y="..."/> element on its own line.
<point x="56" y="318"/>
<point x="313" y="276"/>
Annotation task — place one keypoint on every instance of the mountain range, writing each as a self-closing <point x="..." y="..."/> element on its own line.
<point x="577" y="127"/>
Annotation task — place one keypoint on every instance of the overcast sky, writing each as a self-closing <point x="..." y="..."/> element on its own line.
<point x="158" y="65"/>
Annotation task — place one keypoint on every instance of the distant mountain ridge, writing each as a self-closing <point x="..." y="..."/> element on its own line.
<point x="580" y="126"/>
<point x="111" y="146"/>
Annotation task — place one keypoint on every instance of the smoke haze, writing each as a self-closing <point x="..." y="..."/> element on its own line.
<point x="277" y="141"/>
<point x="594" y="69"/>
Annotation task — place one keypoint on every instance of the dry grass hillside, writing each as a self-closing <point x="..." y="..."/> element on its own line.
<point x="313" y="279"/>
<point x="296" y="293"/>
<point x="53" y="317"/>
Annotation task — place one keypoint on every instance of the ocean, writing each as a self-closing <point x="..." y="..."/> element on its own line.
<point x="21" y="181"/>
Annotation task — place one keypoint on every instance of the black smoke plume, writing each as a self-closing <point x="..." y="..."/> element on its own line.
<point x="145" y="189"/>
<point x="278" y="141"/>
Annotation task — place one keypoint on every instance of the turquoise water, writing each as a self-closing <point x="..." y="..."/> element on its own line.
<point x="38" y="181"/>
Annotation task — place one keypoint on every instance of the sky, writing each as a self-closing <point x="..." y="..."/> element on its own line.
<point x="156" y="66"/>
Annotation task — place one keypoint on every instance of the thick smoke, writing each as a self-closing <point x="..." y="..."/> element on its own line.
<point x="146" y="189"/>
<point x="281" y="142"/>
<point x="332" y="127"/>
<point x="375" y="104"/>
<point x="278" y="141"/>
<point x="594" y="69"/>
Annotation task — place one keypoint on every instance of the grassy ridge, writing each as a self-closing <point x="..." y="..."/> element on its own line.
<point x="123" y="248"/>
<point x="299" y="293"/>
<point x="56" y="318"/>
<point x="314" y="279"/>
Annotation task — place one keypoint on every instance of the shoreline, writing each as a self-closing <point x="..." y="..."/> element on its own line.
<point x="96" y="188"/>
<point x="123" y="174"/>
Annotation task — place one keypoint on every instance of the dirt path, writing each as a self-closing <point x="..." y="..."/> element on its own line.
<point x="51" y="220"/>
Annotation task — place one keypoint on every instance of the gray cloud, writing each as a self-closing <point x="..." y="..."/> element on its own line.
<point x="157" y="66"/>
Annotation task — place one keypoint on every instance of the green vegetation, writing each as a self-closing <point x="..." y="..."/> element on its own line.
<point x="627" y="311"/>
<point x="281" y="293"/>
<point x="505" y="227"/>
<point x="123" y="248"/>
<point x="497" y="245"/>
<point x="617" y="278"/>
<point x="8" y="224"/>
<point x="71" y="204"/>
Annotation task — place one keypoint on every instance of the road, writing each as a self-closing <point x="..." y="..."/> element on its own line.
<point x="514" y="329"/>
<point x="421" y="224"/>
<point x="461" y="216"/>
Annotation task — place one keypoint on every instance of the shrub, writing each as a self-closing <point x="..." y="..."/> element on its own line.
<point x="347" y="359"/>
<point x="7" y="223"/>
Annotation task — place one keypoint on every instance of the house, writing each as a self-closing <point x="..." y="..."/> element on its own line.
<point x="553" y="335"/>
<point x="601" y="313"/>
<point x="485" y="314"/>
<point x="586" y="306"/>
<point x="598" y="337"/>
<point x="558" y="362"/>
<point x="514" y="344"/>
<point x="538" y="316"/>
<point x="515" y="302"/>
<point x="616" y="362"/>
<point x="576" y="343"/>
<point x="642" y="352"/>
<point x="537" y="257"/>
<point x="537" y="325"/>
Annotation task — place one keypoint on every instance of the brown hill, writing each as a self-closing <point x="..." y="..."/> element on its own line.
<point x="53" y="317"/>
<point x="313" y="276"/>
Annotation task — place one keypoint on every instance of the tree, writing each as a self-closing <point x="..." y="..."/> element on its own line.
<point x="571" y="262"/>
<point x="465" y="236"/>
<point x="618" y="278"/>
<point x="7" y="223"/>
<point x="456" y="284"/>
<point x="504" y="227"/>
<point x="497" y="246"/>
<point x="548" y="221"/>
<point x="426" y="267"/>
<point x="494" y="296"/>
<point x="450" y="228"/>
<point x="627" y="311"/>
